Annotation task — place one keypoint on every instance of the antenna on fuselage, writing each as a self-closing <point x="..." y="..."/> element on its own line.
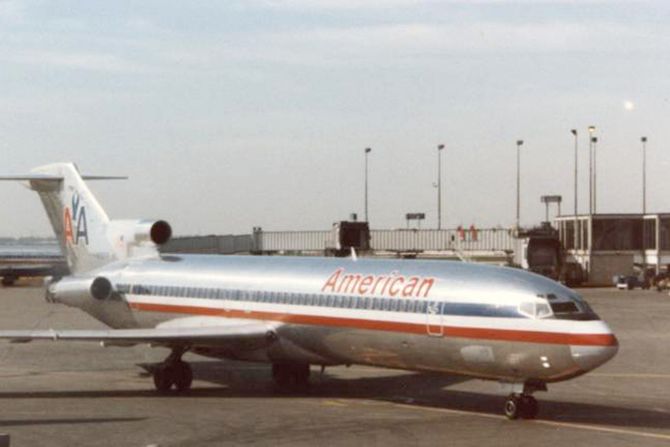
<point x="354" y="257"/>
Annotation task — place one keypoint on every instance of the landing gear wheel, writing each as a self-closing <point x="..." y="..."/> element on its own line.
<point x="281" y="374"/>
<point x="301" y="375"/>
<point x="529" y="407"/>
<point x="512" y="407"/>
<point x="8" y="280"/>
<point x="177" y="374"/>
<point x="182" y="376"/>
<point x="163" y="378"/>
<point x="524" y="406"/>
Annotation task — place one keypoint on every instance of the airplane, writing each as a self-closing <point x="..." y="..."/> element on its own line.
<point x="478" y="321"/>
<point x="22" y="262"/>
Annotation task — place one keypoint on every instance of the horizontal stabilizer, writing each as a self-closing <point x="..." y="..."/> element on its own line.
<point x="104" y="177"/>
<point x="42" y="177"/>
<point x="31" y="177"/>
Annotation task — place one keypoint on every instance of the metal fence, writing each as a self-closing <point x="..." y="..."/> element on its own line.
<point x="489" y="239"/>
<point x="227" y="244"/>
<point x="267" y="241"/>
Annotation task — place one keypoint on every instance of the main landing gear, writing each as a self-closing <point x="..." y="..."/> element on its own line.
<point x="291" y="376"/>
<point x="521" y="405"/>
<point x="173" y="372"/>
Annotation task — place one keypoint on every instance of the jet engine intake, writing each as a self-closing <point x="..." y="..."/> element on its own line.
<point x="101" y="288"/>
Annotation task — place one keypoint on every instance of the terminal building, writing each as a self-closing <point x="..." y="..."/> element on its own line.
<point x="605" y="245"/>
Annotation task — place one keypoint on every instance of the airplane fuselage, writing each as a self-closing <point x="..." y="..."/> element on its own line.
<point x="450" y="317"/>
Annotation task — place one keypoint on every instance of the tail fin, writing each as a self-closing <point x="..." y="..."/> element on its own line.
<point x="78" y="220"/>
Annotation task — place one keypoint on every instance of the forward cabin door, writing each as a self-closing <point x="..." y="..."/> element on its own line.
<point x="434" y="326"/>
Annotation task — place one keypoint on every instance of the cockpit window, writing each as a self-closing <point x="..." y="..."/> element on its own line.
<point x="535" y="309"/>
<point x="570" y="307"/>
<point x="565" y="307"/>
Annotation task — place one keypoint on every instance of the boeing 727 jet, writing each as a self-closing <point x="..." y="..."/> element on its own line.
<point x="478" y="321"/>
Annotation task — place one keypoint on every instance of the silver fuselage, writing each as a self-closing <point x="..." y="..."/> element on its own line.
<point x="451" y="317"/>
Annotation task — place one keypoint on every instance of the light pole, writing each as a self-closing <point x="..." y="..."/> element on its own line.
<point x="594" y="140"/>
<point x="367" y="151"/>
<point x="518" y="182"/>
<point x="644" y="174"/>
<point x="439" y="186"/>
<point x="591" y="130"/>
<point x="574" y="132"/>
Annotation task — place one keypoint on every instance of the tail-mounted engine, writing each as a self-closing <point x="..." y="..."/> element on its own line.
<point x="77" y="291"/>
<point x="158" y="232"/>
<point x="131" y="238"/>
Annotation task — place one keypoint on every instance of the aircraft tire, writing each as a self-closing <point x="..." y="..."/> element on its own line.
<point x="163" y="378"/>
<point x="8" y="280"/>
<point x="512" y="407"/>
<point x="301" y="375"/>
<point x="529" y="407"/>
<point x="182" y="376"/>
<point x="281" y="374"/>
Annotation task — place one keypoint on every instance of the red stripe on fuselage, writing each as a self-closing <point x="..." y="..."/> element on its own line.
<point x="392" y="326"/>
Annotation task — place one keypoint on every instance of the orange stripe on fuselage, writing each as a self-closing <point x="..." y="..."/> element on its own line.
<point x="392" y="326"/>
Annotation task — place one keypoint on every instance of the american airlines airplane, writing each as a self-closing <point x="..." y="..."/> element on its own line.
<point x="503" y="324"/>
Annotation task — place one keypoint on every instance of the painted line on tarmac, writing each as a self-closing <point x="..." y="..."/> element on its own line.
<point x="334" y="403"/>
<point x="632" y="375"/>
<point x="543" y="422"/>
<point x="618" y="431"/>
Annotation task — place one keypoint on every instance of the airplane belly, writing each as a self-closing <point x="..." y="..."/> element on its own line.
<point x="500" y="360"/>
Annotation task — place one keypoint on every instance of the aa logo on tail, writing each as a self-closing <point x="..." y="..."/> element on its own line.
<point x="75" y="215"/>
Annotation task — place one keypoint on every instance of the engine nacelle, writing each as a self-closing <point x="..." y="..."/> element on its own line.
<point x="77" y="291"/>
<point x="126" y="237"/>
<point x="158" y="232"/>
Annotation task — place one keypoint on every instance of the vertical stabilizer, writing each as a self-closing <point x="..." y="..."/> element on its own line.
<point x="77" y="218"/>
<point x="87" y="237"/>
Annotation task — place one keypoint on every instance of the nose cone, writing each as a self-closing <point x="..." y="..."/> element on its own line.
<point x="591" y="357"/>
<point x="597" y="348"/>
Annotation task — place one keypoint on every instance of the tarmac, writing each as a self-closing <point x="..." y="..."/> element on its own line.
<point x="66" y="394"/>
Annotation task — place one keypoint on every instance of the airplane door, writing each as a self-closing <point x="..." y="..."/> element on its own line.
<point x="434" y="319"/>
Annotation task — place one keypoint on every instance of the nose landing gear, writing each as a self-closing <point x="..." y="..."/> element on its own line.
<point x="521" y="405"/>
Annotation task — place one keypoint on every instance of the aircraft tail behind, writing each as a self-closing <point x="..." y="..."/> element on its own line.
<point x="87" y="237"/>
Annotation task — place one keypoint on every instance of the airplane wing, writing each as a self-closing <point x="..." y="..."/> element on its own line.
<point x="214" y="336"/>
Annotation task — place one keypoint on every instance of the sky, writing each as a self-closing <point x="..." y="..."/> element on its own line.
<point x="240" y="114"/>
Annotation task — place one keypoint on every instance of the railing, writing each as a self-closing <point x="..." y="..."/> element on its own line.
<point x="458" y="240"/>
